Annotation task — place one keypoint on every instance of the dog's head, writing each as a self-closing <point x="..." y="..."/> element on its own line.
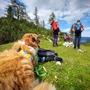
<point x="35" y="38"/>
<point x="31" y="39"/>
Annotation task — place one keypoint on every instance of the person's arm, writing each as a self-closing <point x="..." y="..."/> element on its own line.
<point x="82" y="28"/>
<point x="51" y="26"/>
<point x="73" y="28"/>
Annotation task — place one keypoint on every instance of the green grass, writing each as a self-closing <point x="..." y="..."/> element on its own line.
<point x="5" y="46"/>
<point x="74" y="73"/>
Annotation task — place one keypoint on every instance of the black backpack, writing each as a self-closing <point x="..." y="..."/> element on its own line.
<point x="48" y="55"/>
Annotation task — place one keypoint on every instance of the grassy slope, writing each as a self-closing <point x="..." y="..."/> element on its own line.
<point x="73" y="74"/>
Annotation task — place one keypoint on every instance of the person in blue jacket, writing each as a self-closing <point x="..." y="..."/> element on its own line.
<point x="78" y="28"/>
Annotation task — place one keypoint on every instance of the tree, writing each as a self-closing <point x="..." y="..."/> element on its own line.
<point x="52" y="16"/>
<point x="9" y="12"/>
<point x="22" y="11"/>
<point x="36" y="16"/>
<point x="43" y="24"/>
<point x="17" y="9"/>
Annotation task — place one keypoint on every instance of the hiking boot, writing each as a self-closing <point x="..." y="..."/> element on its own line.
<point x="74" y="47"/>
<point x="56" y="44"/>
<point x="53" y="45"/>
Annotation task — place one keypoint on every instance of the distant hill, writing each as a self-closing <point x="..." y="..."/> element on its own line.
<point x="85" y="39"/>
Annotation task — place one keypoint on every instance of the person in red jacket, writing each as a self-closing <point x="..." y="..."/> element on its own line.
<point x="55" y="29"/>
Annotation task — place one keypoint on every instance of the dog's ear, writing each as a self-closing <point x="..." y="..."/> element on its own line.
<point x="37" y="37"/>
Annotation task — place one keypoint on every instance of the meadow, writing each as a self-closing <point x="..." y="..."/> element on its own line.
<point x="73" y="74"/>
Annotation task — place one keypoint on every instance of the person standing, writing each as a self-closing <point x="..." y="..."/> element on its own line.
<point x="55" y="29"/>
<point x="78" y="28"/>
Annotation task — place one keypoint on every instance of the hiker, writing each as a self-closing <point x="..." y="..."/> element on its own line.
<point x="55" y="29"/>
<point x="78" y="28"/>
<point x="67" y="38"/>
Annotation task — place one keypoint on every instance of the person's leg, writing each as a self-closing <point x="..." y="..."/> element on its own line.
<point x="78" y="42"/>
<point x="75" y="42"/>
<point x="53" y="40"/>
<point x="56" y="40"/>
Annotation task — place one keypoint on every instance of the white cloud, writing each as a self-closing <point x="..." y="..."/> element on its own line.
<point x="68" y="10"/>
<point x="31" y="15"/>
<point x="3" y="6"/>
<point x="66" y="30"/>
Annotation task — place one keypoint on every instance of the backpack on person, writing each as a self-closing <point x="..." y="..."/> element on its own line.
<point x="78" y="29"/>
<point x="78" y="26"/>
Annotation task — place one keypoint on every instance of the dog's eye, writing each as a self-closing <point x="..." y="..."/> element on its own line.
<point x="33" y="40"/>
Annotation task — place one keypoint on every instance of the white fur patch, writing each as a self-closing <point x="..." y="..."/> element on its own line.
<point x="21" y="42"/>
<point x="32" y="50"/>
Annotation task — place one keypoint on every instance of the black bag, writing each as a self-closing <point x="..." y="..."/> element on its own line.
<point x="48" y="55"/>
<point x="45" y="53"/>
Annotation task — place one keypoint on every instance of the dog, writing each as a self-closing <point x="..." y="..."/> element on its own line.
<point x="17" y="71"/>
<point x="28" y="44"/>
<point x="45" y="86"/>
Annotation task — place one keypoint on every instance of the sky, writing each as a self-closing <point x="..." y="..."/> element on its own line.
<point x="67" y="12"/>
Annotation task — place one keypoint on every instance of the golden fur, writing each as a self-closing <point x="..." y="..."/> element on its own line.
<point x="17" y="72"/>
<point x="44" y="86"/>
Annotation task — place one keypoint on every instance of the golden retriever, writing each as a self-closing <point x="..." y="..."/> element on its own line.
<point x="16" y="71"/>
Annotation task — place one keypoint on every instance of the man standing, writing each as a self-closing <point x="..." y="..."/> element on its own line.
<point x="78" y="30"/>
<point x="55" y="28"/>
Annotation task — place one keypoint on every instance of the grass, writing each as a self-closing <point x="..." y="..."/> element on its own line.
<point x="5" y="46"/>
<point x="73" y="74"/>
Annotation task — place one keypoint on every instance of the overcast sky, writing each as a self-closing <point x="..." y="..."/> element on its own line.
<point x="66" y="11"/>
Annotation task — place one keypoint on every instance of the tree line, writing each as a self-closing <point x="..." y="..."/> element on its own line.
<point x="17" y="22"/>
